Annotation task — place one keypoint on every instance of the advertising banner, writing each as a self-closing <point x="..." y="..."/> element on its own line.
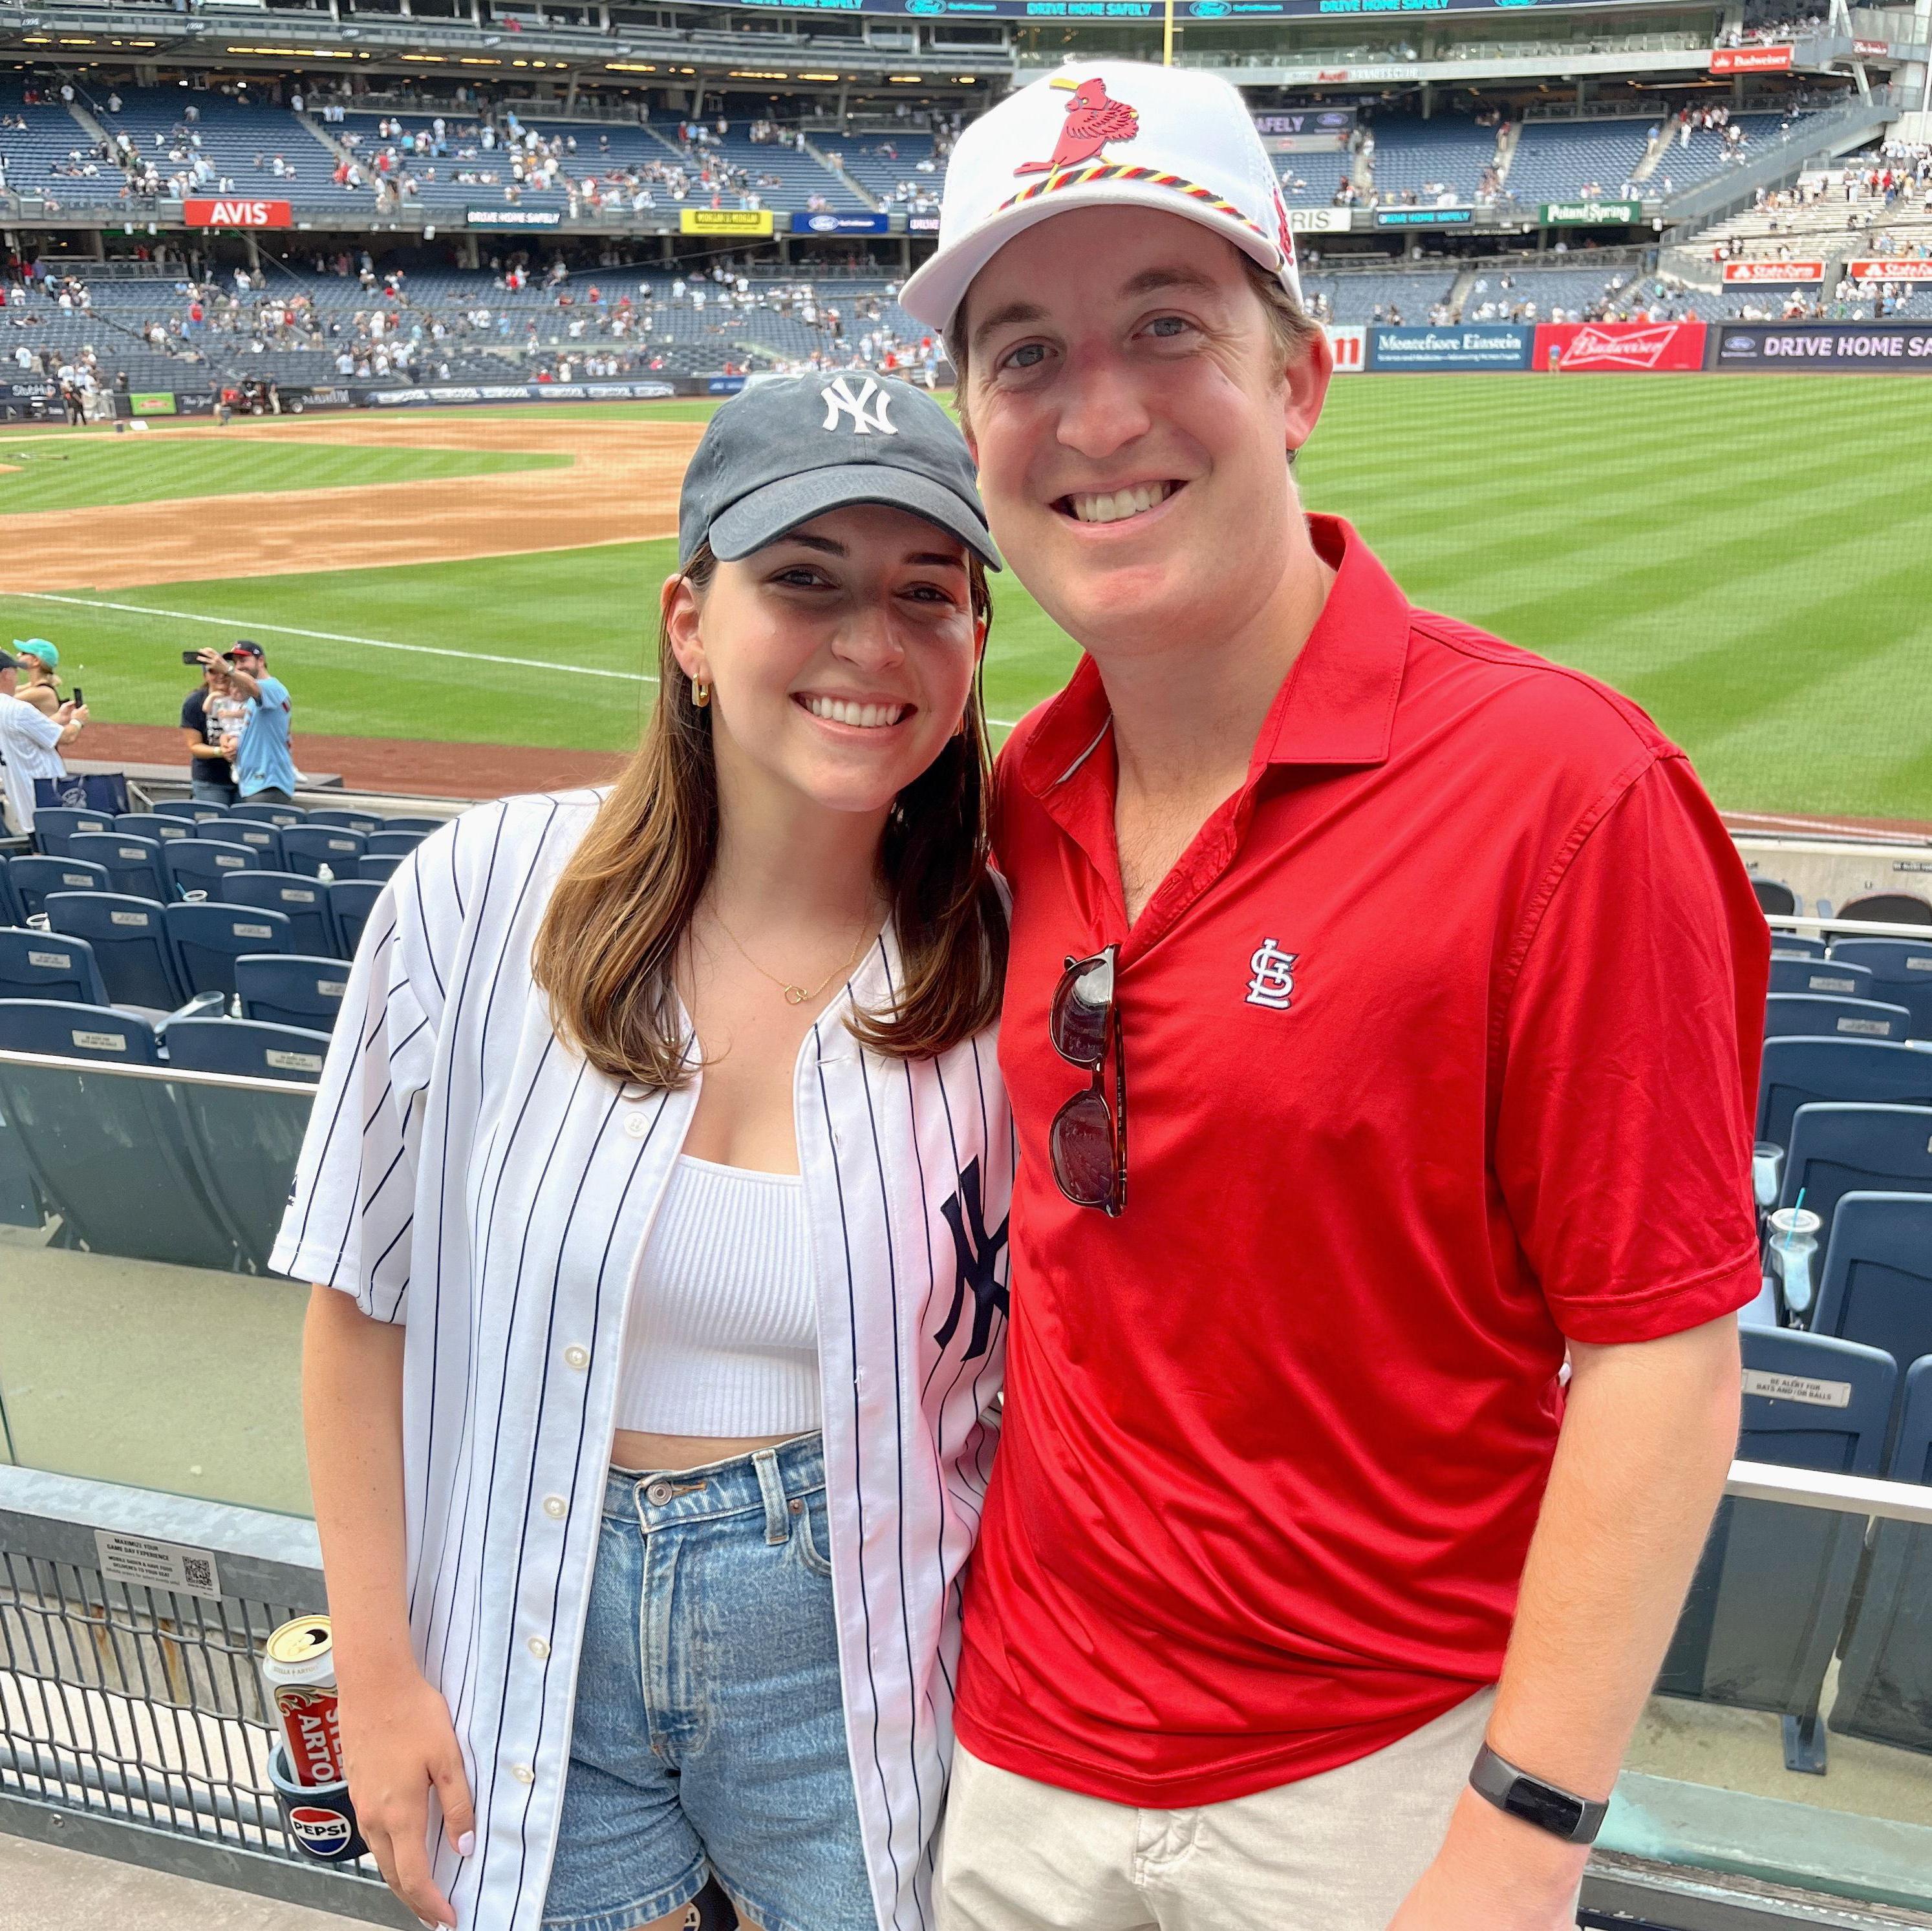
<point x="1424" y="217"/>
<point x="839" y="224"/>
<point x="1636" y="347"/>
<point x="922" y="224"/>
<point x="1318" y="221"/>
<point x="1888" y="268"/>
<point x="723" y="385"/>
<point x="1119" y="10"/>
<point x="1779" y="274"/>
<point x="232" y="213"/>
<point x="1751" y="60"/>
<point x="1350" y="342"/>
<point x="1856" y="346"/>
<point x="1577" y="213"/>
<point x="27" y="401"/>
<point x="724" y="221"/>
<point x="151" y="402"/>
<point x="1870" y="49"/>
<point x="1307" y="130"/>
<point x="461" y="392"/>
<point x="513" y="217"/>
<point x="1472" y="345"/>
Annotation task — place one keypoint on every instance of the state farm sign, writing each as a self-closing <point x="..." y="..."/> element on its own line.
<point x="1779" y="272"/>
<point x="1751" y="60"/>
<point x="1883" y="269"/>
<point x="230" y="213"/>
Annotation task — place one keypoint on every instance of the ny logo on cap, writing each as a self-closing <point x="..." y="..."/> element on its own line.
<point x="867" y="409"/>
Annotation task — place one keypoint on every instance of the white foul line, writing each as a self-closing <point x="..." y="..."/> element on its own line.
<point x="366" y="643"/>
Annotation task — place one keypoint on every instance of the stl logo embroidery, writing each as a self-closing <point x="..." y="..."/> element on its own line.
<point x="1273" y="984"/>
<point x="1093" y="121"/>
<point x="867" y="409"/>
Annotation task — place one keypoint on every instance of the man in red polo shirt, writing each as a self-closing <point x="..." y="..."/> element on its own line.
<point x="1382" y="1017"/>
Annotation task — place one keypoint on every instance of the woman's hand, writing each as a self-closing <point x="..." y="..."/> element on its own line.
<point x="397" y="1740"/>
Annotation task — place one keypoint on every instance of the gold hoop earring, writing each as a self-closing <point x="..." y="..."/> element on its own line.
<point x="701" y="693"/>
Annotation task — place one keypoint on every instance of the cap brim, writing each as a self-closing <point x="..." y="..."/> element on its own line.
<point x="935" y="290"/>
<point x="771" y="512"/>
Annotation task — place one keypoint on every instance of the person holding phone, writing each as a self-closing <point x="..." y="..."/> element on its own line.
<point x="265" y="770"/>
<point x="31" y="742"/>
<point x="40" y="675"/>
<point x="212" y="716"/>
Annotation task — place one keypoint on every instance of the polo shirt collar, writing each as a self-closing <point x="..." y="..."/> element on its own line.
<point x="1336" y="705"/>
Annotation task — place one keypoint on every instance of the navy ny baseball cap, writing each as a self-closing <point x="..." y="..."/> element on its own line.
<point x="787" y="449"/>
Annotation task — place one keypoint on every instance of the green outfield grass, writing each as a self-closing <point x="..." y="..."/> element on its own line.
<point x="1750" y="559"/>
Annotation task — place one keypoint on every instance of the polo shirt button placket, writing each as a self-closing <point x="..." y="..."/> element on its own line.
<point x="636" y="1125"/>
<point x="577" y="1355"/>
<point x="555" y="1507"/>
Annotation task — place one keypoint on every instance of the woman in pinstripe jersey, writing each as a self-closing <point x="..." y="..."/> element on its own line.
<point x="655" y="1195"/>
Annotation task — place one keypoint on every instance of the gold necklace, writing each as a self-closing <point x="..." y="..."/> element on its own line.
<point x="795" y="995"/>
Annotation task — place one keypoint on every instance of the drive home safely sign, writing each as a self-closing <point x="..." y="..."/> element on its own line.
<point x="230" y="213"/>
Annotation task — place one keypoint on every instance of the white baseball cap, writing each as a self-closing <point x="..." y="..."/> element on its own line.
<point x="1104" y="133"/>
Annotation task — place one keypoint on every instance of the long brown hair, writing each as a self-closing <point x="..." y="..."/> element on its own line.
<point x="608" y="948"/>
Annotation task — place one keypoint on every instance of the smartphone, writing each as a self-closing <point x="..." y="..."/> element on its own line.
<point x="192" y="657"/>
<point x="79" y="697"/>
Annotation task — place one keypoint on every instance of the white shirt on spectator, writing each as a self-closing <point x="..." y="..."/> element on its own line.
<point x="29" y="741"/>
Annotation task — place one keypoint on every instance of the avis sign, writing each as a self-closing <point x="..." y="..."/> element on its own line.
<point x="229" y="213"/>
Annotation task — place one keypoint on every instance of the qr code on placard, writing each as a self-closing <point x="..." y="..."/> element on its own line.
<point x="197" y="1572"/>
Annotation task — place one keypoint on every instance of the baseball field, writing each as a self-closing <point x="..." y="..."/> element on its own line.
<point x="1750" y="559"/>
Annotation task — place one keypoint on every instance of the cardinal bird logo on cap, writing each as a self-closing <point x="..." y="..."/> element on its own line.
<point x="1094" y="120"/>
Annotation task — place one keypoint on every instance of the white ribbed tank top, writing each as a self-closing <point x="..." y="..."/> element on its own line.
<point x="723" y="1339"/>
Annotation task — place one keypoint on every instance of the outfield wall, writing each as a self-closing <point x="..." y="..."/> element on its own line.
<point x="1639" y="348"/>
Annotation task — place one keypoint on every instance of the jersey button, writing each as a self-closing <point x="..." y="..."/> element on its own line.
<point x="636" y="1125"/>
<point x="576" y="1356"/>
<point x="537" y="1648"/>
<point x="522" y="1773"/>
<point x="555" y="1506"/>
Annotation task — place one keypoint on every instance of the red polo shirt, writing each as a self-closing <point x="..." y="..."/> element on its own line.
<point x="1441" y="1038"/>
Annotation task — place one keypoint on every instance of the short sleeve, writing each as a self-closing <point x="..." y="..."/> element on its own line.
<point x="1629" y="1065"/>
<point x="192" y="717"/>
<point x="349" y="1213"/>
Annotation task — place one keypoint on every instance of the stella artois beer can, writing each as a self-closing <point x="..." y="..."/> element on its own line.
<point x="298" y="1669"/>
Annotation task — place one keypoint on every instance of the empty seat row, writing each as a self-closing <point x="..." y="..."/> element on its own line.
<point x="313" y="849"/>
<point x="56" y="821"/>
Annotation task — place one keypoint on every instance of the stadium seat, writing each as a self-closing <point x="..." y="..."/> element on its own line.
<point x="1901" y="970"/>
<point x="378" y="866"/>
<point x="1881" y="908"/>
<point x="55" y="824"/>
<point x="263" y="839"/>
<point x="423" y="826"/>
<point x="269" y="815"/>
<point x="1795" y="1071"/>
<point x="290" y="989"/>
<point x="1797" y="945"/>
<point x="248" y="1050"/>
<point x="1831" y="978"/>
<point x="303" y="902"/>
<point x="1837" y="1149"/>
<point x="1877" y="1286"/>
<point x="389" y="843"/>
<point x="12" y="912"/>
<point x="33" y="878"/>
<point x="208" y="939"/>
<point x="350" y="902"/>
<point x="130" y="941"/>
<point x="308" y="848"/>
<point x="197" y="864"/>
<point x="133" y="865"/>
<point x="1762" y="1618"/>
<point x="107" y="1154"/>
<point x="190" y="809"/>
<point x="47" y="965"/>
<point x="1787" y="1014"/>
<point x="364" y="822"/>
<point x="157" y="825"/>
<point x="1884" y="1679"/>
<point x="1773" y="896"/>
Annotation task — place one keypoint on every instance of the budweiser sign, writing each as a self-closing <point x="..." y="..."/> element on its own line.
<point x="1751" y="60"/>
<point x="1780" y="272"/>
<point x="1871" y="50"/>
<point x="1630" y="345"/>
<point x="1881" y="269"/>
<point x="233" y="213"/>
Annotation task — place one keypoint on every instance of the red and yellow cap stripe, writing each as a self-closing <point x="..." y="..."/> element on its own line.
<point x="1126" y="171"/>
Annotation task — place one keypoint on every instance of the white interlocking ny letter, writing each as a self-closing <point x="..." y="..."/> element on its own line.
<point x="867" y="409"/>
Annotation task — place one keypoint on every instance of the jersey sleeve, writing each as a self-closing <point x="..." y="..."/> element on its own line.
<point x="1629" y="1048"/>
<point x="349" y="1213"/>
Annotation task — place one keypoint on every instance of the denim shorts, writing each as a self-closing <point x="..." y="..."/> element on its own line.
<point x="709" y="1735"/>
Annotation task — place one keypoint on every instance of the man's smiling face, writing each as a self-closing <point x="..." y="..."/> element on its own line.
<point x="1129" y="414"/>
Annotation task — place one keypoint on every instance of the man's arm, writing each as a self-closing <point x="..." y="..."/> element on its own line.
<point x="1647" y="1439"/>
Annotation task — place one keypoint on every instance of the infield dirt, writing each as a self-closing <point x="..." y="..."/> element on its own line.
<point x="621" y="486"/>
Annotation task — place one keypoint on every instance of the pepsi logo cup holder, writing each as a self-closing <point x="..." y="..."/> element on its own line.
<point x="322" y="1821"/>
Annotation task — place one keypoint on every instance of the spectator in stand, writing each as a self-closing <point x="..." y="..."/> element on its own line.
<point x="40" y="674"/>
<point x="264" y="771"/>
<point x="30" y="743"/>
<point x="212" y="718"/>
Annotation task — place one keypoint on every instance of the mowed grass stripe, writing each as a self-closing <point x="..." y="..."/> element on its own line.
<point x="140" y="469"/>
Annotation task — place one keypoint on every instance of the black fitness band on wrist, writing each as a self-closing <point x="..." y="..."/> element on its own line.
<point x="1561" y="1812"/>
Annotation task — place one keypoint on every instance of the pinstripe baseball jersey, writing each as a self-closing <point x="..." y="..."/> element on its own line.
<point x="467" y="1176"/>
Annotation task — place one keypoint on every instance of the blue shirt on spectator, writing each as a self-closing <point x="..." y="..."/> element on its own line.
<point x="262" y="759"/>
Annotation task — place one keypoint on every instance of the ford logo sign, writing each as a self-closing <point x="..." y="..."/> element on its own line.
<point x="1209" y="10"/>
<point x="824" y="224"/>
<point x="926" y="6"/>
<point x="1741" y="345"/>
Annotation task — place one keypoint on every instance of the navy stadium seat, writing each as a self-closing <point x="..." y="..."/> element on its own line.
<point x="55" y="824"/>
<point x="1884" y="1679"/>
<point x="107" y="1153"/>
<point x="377" y="865"/>
<point x="130" y="941"/>
<point x="12" y="912"/>
<point x="290" y="989"/>
<point x="248" y="1050"/>
<point x="1838" y="1149"/>
<point x="1797" y="944"/>
<point x="1901" y="970"/>
<point x="33" y="878"/>
<point x="364" y="822"/>
<point x="303" y="902"/>
<point x="196" y="864"/>
<point x="133" y="865"/>
<point x="308" y="848"/>
<point x="157" y="825"/>
<point x="48" y="965"/>
<point x="208" y="939"/>
<point x="1877" y="1283"/>
<point x="1789" y="1013"/>
<point x="350" y="902"/>
<point x="269" y="815"/>
<point x="262" y="839"/>
<point x="424" y="825"/>
<point x="1828" y="977"/>
<point x="192" y="809"/>
<point x="388" y="843"/>
<point x="1795" y="1071"/>
<point x="1765" y="1608"/>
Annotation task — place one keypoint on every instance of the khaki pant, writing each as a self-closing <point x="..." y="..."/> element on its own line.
<point x="1335" y="1852"/>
